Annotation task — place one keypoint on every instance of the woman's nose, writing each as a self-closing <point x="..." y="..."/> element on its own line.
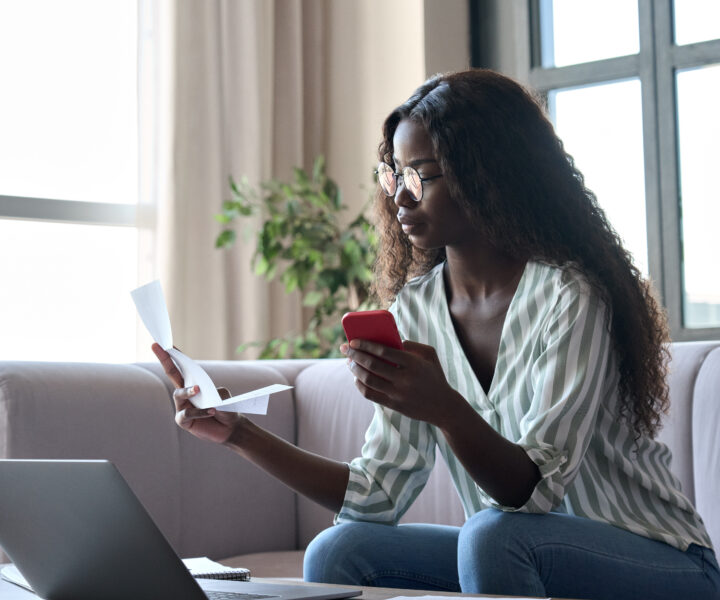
<point x="403" y="197"/>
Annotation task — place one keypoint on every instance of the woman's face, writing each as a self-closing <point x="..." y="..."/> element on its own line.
<point x="436" y="221"/>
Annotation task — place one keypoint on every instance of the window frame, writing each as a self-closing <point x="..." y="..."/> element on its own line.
<point x="29" y="208"/>
<point x="68" y="211"/>
<point x="655" y="66"/>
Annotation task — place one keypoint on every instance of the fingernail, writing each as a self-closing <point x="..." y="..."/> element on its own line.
<point x="191" y="390"/>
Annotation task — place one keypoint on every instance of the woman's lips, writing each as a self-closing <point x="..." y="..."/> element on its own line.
<point x="408" y="225"/>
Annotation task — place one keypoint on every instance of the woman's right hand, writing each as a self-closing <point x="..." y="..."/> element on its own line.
<point x="205" y="423"/>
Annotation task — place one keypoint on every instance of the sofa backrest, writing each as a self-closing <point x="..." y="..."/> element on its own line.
<point x="209" y="502"/>
<point x="226" y="505"/>
<point x="332" y="418"/>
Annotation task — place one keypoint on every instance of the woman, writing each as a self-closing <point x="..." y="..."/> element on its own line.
<point x="537" y="368"/>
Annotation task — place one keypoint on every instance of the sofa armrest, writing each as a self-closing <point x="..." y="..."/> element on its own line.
<point x="706" y="444"/>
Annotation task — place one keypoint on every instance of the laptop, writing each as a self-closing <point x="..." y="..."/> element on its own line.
<point x="75" y="530"/>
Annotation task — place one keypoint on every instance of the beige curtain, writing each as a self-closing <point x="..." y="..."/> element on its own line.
<point x="255" y="87"/>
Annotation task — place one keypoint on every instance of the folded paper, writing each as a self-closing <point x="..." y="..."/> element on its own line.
<point x="150" y="303"/>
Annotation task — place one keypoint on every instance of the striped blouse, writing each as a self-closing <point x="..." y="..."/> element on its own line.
<point x="554" y="392"/>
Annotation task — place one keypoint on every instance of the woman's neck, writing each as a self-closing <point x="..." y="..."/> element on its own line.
<point x="481" y="273"/>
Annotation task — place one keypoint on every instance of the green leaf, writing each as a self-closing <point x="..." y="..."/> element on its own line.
<point x="313" y="298"/>
<point x="234" y="187"/>
<point x="319" y="168"/>
<point x="225" y="239"/>
<point x="289" y="278"/>
<point x="282" y="349"/>
<point x="352" y="252"/>
<point x="332" y="191"/>
<point x="301" y="176"/>
<point x="261" y="266"/>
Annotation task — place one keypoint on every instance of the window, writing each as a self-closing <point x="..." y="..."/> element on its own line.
<point x="632" y="89"/>
<point x="68" y="179"/>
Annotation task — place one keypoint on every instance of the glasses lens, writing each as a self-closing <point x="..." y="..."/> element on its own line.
<point x="386" y="178"/>
<point x="413" y="184"/>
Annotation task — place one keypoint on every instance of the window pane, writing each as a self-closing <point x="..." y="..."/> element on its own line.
<point x="66" y="292"/>
<point x="696" y="21"/>
<point x="578" y="31"/>
<point x="68" y="108"/>
<point x="590" y="120"/>
<point x="698" y="91"/>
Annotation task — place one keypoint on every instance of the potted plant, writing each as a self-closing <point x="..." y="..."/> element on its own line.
<point x="301" y="242"/>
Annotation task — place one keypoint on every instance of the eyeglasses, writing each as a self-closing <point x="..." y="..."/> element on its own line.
<point x="388" y="179"/>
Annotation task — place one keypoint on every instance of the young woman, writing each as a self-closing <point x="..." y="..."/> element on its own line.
<point x="535" y="365"/>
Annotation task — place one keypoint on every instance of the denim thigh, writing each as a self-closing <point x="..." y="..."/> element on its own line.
<point x="568" y="556"/>
<point x="513" y="554"/>
<point x="412" y="556"/>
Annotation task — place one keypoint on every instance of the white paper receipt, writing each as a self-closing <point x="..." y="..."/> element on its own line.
<point x="150" y="303"/>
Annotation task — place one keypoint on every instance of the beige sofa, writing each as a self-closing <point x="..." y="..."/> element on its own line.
<point x="209" y="502"/>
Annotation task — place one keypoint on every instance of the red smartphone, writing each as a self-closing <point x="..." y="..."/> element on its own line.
<point x="374" y="325"/>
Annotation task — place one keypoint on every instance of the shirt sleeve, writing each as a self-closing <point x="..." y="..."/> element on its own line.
<point x="570" y="379"/>
<point x="393" y="468"/>
<point x="394" y="465"/>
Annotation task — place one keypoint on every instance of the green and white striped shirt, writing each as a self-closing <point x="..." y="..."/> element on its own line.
<point x="554" y="392"/>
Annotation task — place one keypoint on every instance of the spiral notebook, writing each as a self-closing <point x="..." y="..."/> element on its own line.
<point x="204" y="568"/>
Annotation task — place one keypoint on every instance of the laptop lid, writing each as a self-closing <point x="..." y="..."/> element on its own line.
<point x="76" y="530"/>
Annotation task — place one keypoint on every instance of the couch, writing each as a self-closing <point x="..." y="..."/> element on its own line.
<point x="210" y="502"/>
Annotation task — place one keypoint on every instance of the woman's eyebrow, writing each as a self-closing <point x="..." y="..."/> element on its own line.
<point x="417" y="162"/>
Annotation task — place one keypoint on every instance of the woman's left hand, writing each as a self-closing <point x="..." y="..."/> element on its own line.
<point x="410" y="381"/>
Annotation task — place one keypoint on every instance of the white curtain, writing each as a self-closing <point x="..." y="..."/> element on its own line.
<point x="255" y="87"/>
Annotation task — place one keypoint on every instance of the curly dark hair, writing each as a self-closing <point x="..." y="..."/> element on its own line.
<point x="504" y="164"/>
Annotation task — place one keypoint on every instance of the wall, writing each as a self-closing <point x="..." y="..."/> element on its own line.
<point x="447" y="36"/>
<point x="376" y="58"/>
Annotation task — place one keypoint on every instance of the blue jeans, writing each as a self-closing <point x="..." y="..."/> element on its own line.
<point x="513" y="554"/>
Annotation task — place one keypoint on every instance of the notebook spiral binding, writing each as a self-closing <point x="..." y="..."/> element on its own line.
<point x="238" y="574"/>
